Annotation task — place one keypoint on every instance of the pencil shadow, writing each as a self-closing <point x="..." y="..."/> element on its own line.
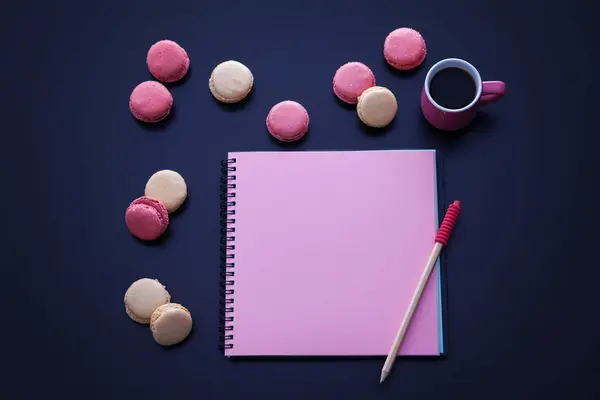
<point x="402" y="365"/>
<point x="445" y="306"/>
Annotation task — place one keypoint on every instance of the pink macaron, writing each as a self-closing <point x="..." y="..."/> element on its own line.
<point x="350" y="80"/>
<point x="150" y="101"/>
<point x="288" y="121"/>
<point x="404" y="49"/>
<point x="167" y="61"/>
<point x="146" y="218"/>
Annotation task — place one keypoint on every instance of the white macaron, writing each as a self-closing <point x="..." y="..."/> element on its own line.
<point x="168" y="187"/>
<point x="170" y="324"/>
<point x="143" y="297"/>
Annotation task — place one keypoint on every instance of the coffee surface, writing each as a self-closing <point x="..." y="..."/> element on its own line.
<point x="452" y="88"/>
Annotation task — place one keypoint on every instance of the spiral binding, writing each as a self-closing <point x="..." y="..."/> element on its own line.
<point x="228" y="188"/>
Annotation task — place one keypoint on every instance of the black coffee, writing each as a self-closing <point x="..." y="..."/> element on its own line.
<point x="452" y="88"/>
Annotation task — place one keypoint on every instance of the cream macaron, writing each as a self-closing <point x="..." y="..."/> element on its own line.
<point x="143" y="297"/>
<point x="231" y="81"/>
<point x="168" y="187"/>
<point x="170" y="324"/>
<point x="377" y="107"/>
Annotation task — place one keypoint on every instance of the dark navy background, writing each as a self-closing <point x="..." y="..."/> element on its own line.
<point x="522" y="272"/>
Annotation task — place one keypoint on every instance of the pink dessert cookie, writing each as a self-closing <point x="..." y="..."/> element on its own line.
<point x="167" y="61"/>
<point x="404" y="49"/>
<point x="288" y="121"/>
<point x="150" y="101"/>
<point x="350" y="80"/>
<point x="146" y="218"/>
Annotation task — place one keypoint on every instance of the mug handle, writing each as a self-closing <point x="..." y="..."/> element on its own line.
<point x="492" y="91"/>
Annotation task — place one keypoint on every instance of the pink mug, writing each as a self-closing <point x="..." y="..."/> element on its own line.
<point x="453" y="119"/>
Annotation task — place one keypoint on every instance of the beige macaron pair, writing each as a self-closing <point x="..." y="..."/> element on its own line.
<point x="147" y="301"/>
<point x="377" y="107"/>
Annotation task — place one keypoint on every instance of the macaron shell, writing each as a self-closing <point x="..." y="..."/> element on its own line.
<point x="146" y="218"/>
<point x="404" y="49"/>
<point x="231" y="81"/>
<point x="288" y="121"/>
<point x="150" y="102"/>
<point x="170" y="324"/>
<point x="143" y="297"/>
<point x="350" y="80"/>
<point x="168" y="187"/>
<point x="377" y="107"/>
<point x="167" y="61"/>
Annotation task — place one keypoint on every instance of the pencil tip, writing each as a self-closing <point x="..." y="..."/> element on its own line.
<point x="383" y="376"/>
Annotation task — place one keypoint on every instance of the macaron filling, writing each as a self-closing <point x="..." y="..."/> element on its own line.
<point x="145" y="117"/>
<point x="400" y="65"/>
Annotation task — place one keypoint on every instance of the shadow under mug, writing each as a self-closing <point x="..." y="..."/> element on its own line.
<point x="453" y="119"/>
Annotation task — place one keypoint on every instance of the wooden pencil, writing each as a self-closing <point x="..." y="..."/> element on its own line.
<point x="441" y="240"/>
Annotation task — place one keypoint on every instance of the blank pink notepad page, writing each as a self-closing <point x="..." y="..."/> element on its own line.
<point x="329" y="247"/>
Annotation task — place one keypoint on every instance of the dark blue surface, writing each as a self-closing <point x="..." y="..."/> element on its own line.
<point x="522" y="276"/>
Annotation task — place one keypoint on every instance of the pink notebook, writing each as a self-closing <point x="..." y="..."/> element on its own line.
<point x="323" y="251"/>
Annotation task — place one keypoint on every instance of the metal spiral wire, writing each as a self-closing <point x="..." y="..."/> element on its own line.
<point x="227" y="267"/>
